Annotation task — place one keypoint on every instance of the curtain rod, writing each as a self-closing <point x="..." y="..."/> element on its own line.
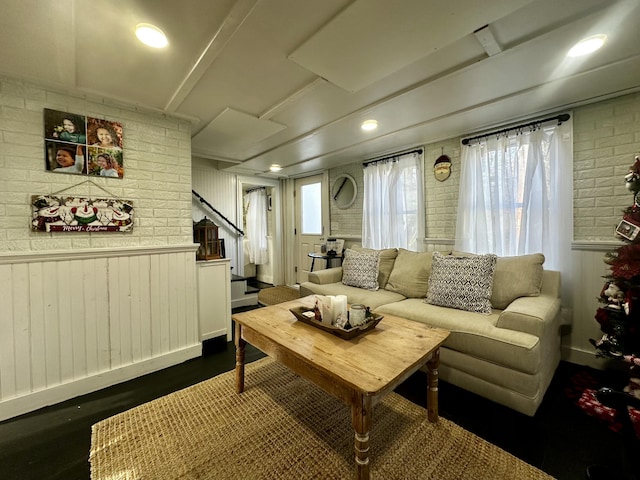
<point x="563" y="117"/>
<point x="382" y="159"/>
<point x="255" y="189"/>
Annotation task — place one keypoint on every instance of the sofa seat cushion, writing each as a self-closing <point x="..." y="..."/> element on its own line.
<point x="354" y="294"/>
<point x="474" y="334"/>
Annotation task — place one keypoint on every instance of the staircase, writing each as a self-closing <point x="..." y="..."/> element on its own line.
<point x="244" y="290"/>
<point x="242" y="295"/>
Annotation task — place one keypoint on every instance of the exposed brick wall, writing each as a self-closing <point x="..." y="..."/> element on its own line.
<point x="606" y="139"/>
<point x="441" y="198"/>
<point x="348" y="221"/>
<point x="157" y="178"/>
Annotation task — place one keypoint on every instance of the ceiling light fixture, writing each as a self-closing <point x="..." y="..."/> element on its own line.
<point x="587" y="45"/>
<point x="151" y="35"/>
<point x="368" y="125"/>
<point x="275" y="168"/>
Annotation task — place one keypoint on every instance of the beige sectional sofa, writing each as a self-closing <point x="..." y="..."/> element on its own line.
<point x="508" y="355"/>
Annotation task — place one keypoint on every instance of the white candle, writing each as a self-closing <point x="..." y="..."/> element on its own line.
<point x="341" y="305"/>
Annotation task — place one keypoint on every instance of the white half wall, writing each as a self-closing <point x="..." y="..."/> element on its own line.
<point x="78" y="321"/>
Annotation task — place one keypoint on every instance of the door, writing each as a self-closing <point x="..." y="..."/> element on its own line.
<point x="311" y="221"/>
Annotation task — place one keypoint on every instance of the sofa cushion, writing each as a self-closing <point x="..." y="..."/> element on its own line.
<point x="410" y="274"/>
<point x="387" y="259"/>
<point x="474" y="334"/>
<point x="464" y="283"/>
<point x="354" y="294"/>
<point x="360" y="269"/>
<point x="514" y="277"/>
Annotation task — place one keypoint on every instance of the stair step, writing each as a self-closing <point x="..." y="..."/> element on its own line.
<point x="238" y="278"/>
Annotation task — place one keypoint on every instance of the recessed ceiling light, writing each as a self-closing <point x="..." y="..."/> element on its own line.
<point x="587" y="45"/>
<point x="369" y="125"/>
<point x="275" y="167"/>
<point x="151" y="35"/>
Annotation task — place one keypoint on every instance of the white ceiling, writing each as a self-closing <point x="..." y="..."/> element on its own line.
<point x="290" y="81"/>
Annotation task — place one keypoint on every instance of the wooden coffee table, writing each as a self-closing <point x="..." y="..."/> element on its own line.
<point x="359" y="371"/>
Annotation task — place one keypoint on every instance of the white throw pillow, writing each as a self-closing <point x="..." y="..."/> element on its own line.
<point x="464" y="283"/>
<point x="360" y="269"/>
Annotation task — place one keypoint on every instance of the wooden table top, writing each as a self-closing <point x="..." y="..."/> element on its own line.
<point x="371" y="363"/>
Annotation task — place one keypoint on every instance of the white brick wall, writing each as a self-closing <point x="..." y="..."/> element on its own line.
<point x="441" y="198"/>
<point x="157" y="178"/>
<point x="347" y="222"/>
<point x="606" y="139"/>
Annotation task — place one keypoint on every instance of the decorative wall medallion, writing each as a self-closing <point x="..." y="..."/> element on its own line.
<point x="442" y="168"/>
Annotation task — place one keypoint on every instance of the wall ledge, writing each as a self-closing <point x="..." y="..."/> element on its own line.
<point x="596" y="245"/>
<point x="84" y="254"/>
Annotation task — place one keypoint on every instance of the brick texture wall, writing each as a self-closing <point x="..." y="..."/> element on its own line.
<point x="441" y="198"/>
<point x="157" y="177"/>
<point x="606" y="139"/>
<point x="348" y="221"/>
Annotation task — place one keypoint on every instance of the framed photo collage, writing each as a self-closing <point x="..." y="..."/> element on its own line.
<point x="80" y="145"/>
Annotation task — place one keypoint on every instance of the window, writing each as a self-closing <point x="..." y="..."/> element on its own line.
<point x="393" y="210"/>
<point x="311" y="209"/>
<point x="515" y="195"/>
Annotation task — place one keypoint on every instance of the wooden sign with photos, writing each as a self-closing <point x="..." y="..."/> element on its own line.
<point x="80" y="214"/>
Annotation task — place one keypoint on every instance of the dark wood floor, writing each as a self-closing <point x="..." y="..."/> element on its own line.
<point x="54" y="442"/>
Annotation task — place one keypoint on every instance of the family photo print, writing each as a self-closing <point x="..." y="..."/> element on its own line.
<point x="80" y="145"/>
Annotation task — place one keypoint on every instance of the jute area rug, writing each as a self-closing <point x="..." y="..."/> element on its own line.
<point x="283" y="427"/>
<point x="275" y="295"/>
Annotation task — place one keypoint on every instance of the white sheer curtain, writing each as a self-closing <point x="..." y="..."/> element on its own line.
<point x="516" y="195"/>
<point x="393" y="208"/>
<point x="255" y="204"/>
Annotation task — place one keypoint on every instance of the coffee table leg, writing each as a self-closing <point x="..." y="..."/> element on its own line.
<point x="240" y="344"/>
<point x="432" y="378"/>
<point x="361" y="420"/>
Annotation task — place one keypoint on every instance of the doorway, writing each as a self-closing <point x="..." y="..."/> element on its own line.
<point x="311" y="220"/>
<point x="271" y="272"/>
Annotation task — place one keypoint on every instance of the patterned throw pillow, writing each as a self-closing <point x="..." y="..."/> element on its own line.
<point x="464" y="283"/>
<point x="360" y="269"/>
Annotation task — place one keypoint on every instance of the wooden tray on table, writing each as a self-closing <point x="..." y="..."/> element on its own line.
<point x="340" y="332"/>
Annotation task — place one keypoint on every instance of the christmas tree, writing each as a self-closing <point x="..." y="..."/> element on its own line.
<point x="619" y="317"/>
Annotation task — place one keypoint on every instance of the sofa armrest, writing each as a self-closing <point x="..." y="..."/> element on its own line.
<point x="530" y="314"/>
<point x="329" y="275"/>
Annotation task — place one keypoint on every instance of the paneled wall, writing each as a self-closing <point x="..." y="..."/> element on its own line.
<point x="219" y="189"/>
<point x="81" y="311"/>
<point x="77" y="321"/>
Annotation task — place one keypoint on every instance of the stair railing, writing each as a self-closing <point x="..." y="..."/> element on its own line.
<point x="203" y="201"/>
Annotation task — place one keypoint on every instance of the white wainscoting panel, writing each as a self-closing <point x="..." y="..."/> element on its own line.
<point x="219" y="189"/>
<point x="588" y="271"/>
<point x="74" y="322"/>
